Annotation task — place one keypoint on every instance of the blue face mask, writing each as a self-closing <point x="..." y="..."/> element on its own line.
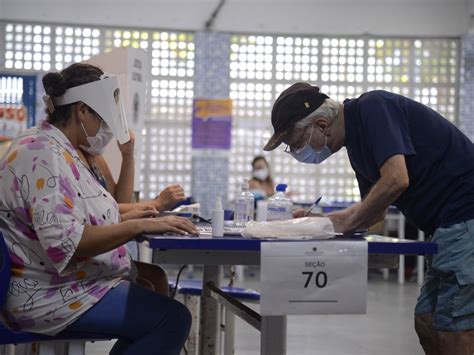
<point x="310" y="156"/>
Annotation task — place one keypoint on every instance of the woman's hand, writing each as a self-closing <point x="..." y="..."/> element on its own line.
<point x="101" y="239"/>
<point x="168" y="224"/>
<point x="141" y="211"/>
<point x="169" y="197"/>
<point x="127" y="148"/>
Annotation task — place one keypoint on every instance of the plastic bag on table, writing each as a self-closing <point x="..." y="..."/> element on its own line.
<point x="298" y="228"/>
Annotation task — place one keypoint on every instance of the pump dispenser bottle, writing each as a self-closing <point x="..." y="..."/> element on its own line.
<point x="218" y="219"/>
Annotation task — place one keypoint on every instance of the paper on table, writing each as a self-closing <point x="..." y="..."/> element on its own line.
<point x="299" y="228"/>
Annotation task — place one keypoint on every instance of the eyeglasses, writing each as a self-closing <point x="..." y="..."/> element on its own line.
<point x="293" y="149"/>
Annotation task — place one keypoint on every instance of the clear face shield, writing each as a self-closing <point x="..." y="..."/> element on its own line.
<point x="104" y="97"/>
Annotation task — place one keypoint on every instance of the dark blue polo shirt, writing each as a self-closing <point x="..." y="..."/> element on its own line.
<point x="439" y="157"/>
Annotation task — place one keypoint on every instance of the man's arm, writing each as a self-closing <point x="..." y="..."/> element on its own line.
<point x="393" y="181"/>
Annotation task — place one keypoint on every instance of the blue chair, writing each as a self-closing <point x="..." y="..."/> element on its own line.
<point x="48" y="344"/>
<point x="189" y="289"/>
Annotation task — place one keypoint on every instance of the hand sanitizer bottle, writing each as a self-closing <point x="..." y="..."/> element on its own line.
<point x="218" y="219"/>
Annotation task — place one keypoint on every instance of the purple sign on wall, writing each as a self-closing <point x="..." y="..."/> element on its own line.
<point x="212" y="123"/>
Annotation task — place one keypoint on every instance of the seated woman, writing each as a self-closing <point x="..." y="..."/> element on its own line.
<point x="122" y="190"/>
<point x="149" y="275"/>
<point x="261" y="181"/>
<point x="70" y="270"/>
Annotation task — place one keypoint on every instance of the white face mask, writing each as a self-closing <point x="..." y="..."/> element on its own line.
<point x="261" y="174"/>
<point x="98" y="143"/>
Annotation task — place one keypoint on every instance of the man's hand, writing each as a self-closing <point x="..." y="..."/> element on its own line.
<point x="302" y="213"/>
<point x="169" y="197"/>
<point x="127" y="148"/>
<point x="340" y="220"/>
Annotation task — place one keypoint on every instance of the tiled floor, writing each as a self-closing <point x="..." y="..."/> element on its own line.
<point x="386" y="329"/>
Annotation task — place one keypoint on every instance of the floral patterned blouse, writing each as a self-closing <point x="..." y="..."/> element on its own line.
<point x="47" y="196"/>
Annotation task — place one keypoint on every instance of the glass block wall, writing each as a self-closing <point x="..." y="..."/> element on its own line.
<point x="467" y="86"/>
<point x="259" y="68"/>
<point x="167" y="153"/>
<point x="263" y="66"/>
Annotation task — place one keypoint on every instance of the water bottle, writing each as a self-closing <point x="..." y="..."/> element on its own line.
<point x="280" y="206"/>
<point x="244" y="206"/>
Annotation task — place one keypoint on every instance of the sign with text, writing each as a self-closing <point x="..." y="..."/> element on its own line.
<point x="316" y="277"/>
<point x="212" y="123"/>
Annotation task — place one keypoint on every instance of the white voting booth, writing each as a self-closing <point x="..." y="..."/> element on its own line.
<point x="132" y="67"/>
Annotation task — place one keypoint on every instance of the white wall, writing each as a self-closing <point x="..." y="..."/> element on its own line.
<point x="353" y="17"/>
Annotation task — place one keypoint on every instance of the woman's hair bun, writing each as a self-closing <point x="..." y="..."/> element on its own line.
<point x="54" y="84"/>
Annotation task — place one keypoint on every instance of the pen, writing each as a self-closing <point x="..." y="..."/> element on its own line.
<point x="312" y="206"/>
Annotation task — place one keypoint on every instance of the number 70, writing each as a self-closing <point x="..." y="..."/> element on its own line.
<point x="321" y="278"/>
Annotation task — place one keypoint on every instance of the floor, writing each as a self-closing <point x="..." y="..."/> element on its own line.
<point x="387" y="328"/>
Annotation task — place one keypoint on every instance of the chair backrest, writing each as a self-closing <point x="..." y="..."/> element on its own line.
<point x="5" y="270"/>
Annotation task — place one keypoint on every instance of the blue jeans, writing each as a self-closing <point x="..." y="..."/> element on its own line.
<point x="448" y="290"/>
<point x="143" y="321"/>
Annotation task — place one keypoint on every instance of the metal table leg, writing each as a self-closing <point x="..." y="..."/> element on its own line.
<point x="273" y="335"/>
<point x="229" y="332"/>
<point x="145" y="254"/>
<point x="420" y="268"/>
<point x="209" y="324"/>
<point x="401" y="235"/>
<point x="10" y="349"/>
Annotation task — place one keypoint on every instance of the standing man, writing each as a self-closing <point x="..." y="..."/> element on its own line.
<point x="405" y="154"/>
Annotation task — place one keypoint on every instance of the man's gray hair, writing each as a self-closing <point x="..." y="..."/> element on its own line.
<point x="329" y="109"/>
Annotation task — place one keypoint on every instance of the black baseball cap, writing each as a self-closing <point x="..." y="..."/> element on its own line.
<point x="293" y="104"/>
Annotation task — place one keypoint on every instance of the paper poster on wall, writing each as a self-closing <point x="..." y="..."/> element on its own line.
<point x="212" y="123"/>
<point x="17" y="105"/>
<point x="12" y="121"/>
